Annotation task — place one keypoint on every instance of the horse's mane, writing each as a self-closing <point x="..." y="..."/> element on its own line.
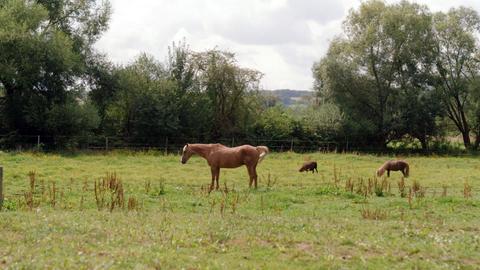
<point x="215" y="146"/>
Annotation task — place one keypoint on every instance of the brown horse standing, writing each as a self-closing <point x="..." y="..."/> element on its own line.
<point x="220" y="156"/>
<point x="394" y="165"/>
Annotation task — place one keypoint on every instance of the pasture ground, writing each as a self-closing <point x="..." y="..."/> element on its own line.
<point x="164" y="218"/>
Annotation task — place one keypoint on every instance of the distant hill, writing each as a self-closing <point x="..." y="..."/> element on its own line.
<point x="289" y="97"/>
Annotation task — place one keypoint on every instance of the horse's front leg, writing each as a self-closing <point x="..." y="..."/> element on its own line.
<point x="217" y="177"/>
<point x="388" y="173"/>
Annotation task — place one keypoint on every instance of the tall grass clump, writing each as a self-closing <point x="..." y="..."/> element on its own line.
<point x="375" y="214"/>
<point x="402" y="188"/>
<point x="349" y="185"/>
<point x="467" y="190"/>
<point x="380" y="188"/>
<point x="33" y="178"/>
<point x="271" y="181"/>
<point x="109" y="185"/>
<point x="444" y="190"/>
<point x="418" y="190"/>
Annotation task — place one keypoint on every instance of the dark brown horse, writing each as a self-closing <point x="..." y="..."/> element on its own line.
<point x="220" y="156"/>
<point x="309" y="166"/>
<point x="394" y="165"/>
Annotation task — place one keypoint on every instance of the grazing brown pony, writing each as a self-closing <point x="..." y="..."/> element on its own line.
<point x="220" y="156"/>
<point x="309" y="166"/>
<point x="394" y="165"/>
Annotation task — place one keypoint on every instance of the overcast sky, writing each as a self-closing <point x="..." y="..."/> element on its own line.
<point x="280" y="38"/>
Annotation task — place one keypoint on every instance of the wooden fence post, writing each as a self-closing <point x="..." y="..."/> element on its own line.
<point x="1" y="187"/>
<point x="166" y="146"/>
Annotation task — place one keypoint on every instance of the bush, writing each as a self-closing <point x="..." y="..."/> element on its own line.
<point x="72" y="123"/>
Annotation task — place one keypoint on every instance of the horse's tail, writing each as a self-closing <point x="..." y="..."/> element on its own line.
<point x="407" y="170"/>
<point x="263" y="152"/>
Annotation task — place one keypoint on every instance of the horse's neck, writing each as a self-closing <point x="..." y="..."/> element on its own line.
<point x="202" y="150"/>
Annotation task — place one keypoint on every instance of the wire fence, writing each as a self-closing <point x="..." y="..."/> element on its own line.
<point x="173" y="144"/>
<point x="167" y="144"/>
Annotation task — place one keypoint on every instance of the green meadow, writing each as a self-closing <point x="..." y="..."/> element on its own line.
<point x="124" y="210"/>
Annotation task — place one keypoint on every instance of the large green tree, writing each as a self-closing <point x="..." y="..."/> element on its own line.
<point x="193" y="105"/>
<point x="144" y="106"/>
<point x="191" y="96"/>
<point x="458" y="68"/>
<point x="44" y="48"/>
<point x="381" y="63"/>
<point x="103" y="80"/>
<point x="230" y="90"/>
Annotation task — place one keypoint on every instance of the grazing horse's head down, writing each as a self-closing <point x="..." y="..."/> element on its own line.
<point x="380" y="171"/>
<point x="309" y="166"/>
<point x="186" y="154"/>
<point x="394" y="165"/>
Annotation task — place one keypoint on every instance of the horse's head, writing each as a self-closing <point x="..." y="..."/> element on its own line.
<point x="186" y="154"/>
<point x="380" y="172"/>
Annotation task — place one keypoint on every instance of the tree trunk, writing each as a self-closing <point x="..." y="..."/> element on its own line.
<point x="466" y="139"/>
<point x="423" y="142"/>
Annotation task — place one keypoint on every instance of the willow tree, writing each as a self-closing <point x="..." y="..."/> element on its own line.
<point x="458" y="68"/>
<point x="381" y="62"/>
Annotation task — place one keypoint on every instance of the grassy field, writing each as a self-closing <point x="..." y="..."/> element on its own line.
<point x="58" y="213"/>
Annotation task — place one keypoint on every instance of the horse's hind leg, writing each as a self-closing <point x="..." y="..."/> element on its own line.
<point x="217" y="178"/>
<point x="214" y="176"/>
<point x="250" y="177"/>
<point x="253" y="176"/>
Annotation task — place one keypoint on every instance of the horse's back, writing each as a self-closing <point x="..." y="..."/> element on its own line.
<point x="242" y="149"/>
<point x="232" y="157"/>
<point x="396" y="164"/>
<point x="402" y="163"/>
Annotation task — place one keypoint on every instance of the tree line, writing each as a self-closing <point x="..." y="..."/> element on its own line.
<point x="398" y="72"/>
<point x="401" y="71"/>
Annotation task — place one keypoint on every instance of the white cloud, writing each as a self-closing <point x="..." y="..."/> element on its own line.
<point x="281" y="38"/>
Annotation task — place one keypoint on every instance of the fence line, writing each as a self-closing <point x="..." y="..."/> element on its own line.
<point x="166" y="143"/>
<point x="175" y="143"/>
